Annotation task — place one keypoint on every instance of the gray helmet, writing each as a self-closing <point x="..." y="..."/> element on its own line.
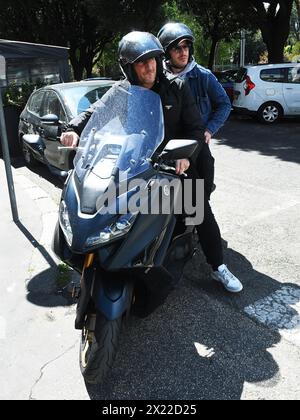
<point x="172" y="33"/>
<point x="139" y="46"/>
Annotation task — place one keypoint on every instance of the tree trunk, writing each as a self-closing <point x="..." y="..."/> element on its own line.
<point x="275" y="45"/>
<point x="89" y="66"/>
<point x="297" y="2"/>
<point x="212" y="54"/>
<point x="77" y="63"/>
<point x="275" y="26"/>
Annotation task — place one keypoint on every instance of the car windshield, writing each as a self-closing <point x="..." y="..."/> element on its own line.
<point x="122" y="135"/>
<point x="80" y="98"/>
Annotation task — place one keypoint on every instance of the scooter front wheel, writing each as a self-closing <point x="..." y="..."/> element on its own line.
<point x="98" y="347"/>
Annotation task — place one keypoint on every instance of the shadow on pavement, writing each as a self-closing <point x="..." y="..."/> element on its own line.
<point x="40" y="170"/>
<point x="45" y="289"/>
<point x="259" y="290"/>
<point x="36" y="244"/>
<point x="201" y="345"/>
<point x="281" y="140"/>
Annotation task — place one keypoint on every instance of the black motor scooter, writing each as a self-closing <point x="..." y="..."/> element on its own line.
<point x="129" y="259"/>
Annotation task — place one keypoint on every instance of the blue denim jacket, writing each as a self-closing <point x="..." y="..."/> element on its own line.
<point x="212" y="100"/>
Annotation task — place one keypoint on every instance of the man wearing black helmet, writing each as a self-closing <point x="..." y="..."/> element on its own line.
<point x="140" y="57"/>
<point x="212" y="101"/>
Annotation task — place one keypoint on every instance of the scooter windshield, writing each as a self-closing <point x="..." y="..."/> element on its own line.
<point x="122" y="134"/>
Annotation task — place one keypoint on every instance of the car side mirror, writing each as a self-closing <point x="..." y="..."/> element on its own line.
<point x="50" y="119"/>
<point x="179" y="149"/>
<point x="35" y="143"/>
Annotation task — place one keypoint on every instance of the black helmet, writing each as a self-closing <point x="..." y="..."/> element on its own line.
<point x="139" y="46"/>
<point x="172" y="33"/>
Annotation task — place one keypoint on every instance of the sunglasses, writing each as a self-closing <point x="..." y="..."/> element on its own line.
<point x="180" y="48"/>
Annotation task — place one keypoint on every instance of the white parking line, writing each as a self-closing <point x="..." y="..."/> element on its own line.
<point x="279" y="311"/>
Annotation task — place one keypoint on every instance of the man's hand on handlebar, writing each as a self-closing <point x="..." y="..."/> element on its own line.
<point x="69" y="139"/>
<point x="182" y="165"/>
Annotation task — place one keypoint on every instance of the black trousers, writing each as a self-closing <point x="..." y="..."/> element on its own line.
<point x="210" y="237"/>
<point x="205" y="165"/>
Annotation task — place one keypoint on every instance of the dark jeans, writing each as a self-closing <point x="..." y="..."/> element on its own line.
<point x="205" y="164"/>
<point x="210" y="237"/>
<point x="209" y="233"/>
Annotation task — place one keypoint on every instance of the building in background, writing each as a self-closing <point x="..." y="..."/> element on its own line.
<point x="34" y="63"/>
<point x="27" y="67"/>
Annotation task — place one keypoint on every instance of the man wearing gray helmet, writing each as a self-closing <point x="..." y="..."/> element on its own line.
<point x="140" y="57"/>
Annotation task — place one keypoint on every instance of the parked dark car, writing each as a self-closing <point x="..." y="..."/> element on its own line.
<point x="49" y="110"/>
<point x="227" y="79"/>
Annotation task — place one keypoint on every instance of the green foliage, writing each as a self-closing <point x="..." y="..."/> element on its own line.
<point x="107" y="65"/>
<point x="202" y="45"/>
<point x="255" y="47"/>
<point x="64" y="274"/>
<point x="219" y="20"/>
<point x="92" y="28"/>
<point x="87" y="27"/>
<point x="292" y="52"/>
<point x="18" y="95"/>
<point x="296" y="49"/>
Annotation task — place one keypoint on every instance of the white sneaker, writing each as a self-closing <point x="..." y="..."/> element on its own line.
<point x="229" y="281"/>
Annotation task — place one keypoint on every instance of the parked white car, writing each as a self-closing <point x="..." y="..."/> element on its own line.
<point x="268" y="91"/>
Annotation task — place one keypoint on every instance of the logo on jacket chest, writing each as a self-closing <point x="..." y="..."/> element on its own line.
<point x="168" y="107"/>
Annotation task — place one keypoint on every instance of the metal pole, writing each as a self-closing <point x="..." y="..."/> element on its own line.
<point x="243" y="48"/>
<point x="6" y="157"/>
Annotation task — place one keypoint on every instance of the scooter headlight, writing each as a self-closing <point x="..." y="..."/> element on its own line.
<point x="118" y="229"/>
<point x="65" y="224"/>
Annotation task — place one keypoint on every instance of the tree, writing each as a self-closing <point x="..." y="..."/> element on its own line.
<point x="63" y="23"/>
<point x="124" y="16"/>
<point x="85" y="26"/>
<point x="273" y="18"/>
<point x="297" y="6"/>
<point x="219" y="20"/>
<point x="297" y="3"/>
<point x="202" y="44"/>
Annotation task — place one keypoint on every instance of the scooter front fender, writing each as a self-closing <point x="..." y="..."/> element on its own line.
<point x="109" y="292"/>
<point x="112" y="296"/>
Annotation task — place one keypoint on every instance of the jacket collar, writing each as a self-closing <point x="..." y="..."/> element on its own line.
<point x="188" y="71"/>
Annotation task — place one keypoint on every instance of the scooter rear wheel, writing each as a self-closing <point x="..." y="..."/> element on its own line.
<point x="98" y="347"/>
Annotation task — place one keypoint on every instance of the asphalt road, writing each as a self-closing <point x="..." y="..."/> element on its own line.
<point x="205" y="343"/>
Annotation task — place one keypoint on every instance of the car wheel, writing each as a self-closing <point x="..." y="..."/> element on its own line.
<point x="270" y="113"/>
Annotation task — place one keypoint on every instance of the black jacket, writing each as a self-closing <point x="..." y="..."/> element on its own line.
<point x="180" y="112"/>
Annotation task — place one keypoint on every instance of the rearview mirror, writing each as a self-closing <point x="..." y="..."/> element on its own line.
<point x="50" y="119"/>
<point x="179" y="149"/>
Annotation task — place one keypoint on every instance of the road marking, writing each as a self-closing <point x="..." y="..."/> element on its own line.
<point x="279" y="311"/>
<point x="204" y="351"/>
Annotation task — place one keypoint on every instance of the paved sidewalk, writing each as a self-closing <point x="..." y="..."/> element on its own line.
<point x="36" y="324"/>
